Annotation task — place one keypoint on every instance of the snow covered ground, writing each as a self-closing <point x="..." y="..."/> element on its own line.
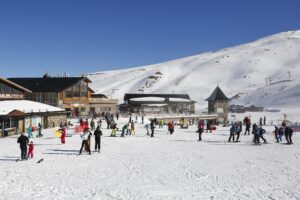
<point x="164" y="167"/>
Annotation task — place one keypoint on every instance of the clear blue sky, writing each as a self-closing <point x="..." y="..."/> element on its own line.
<point x="96" y="35"/>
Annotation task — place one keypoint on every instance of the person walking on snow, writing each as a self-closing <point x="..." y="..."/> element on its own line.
<point x="23" y="141"/>
<point x="233" y="131"/>
<point x="152" y="126"/>
<point x="92" y="124"/>
<point x="85" y="137"/>
<point x="40" y="130"/>
<point x="30" y="150"/>
<point x="171" y="127"/>
<point x="29" y="131"/>
<point x="255" y="132"/>
<point x="261" y="134"/>
<point x="288" y="133"/>
<point x="147" y="127"/>
<point x="124" y="128"/>
<point x="200" y="131"/>
<point x="98" y="134"/>
<point x="63" y="132"/>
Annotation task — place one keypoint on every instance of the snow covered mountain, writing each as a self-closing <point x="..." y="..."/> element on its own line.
<point x="265" y="72"/>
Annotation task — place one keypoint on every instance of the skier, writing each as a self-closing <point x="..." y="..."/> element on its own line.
<point x="40" y="130"/>
<point x="265" y="119"/>
<point x="200" y="131"/>
<point x="114" y="130"/>
<point x="124" y="128"/>
<point x="98" y="134"/>
<point x="142" y="119"/>
<point x="260" y="121"/>
<point x="29" y="131"/>
<point x="92" y="124"/>
<point x="23" y="141"/>
<point x="152" y="126"/>
<point x="63" y="132"/>
<point x="276" y="134"/>
<point x="30" y="150"/>
<point x="239" y="130"/>
<point x="117" y="116"/>
<point x="208" y="127"/>
<point x="255" y="132"/>
<point x="233" y="131"/>
<point x="171" y="127"/>
<point x="147" y="127"/>
<point x="132" y="128"/>
<point x="261" y="134"/>
<point x="85" y="138"/>
<point x="288" y="133"/>
<point x="247" y="123"/>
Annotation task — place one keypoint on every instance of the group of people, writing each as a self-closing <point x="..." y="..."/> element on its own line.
<point x="86" y="140"/>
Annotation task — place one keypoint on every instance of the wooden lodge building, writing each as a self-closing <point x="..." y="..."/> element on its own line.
<point x="17" y="114"/>
<point x="70" y="93"/>
<point x="158" y="104"/>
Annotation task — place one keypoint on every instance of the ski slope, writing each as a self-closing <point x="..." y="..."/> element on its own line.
<point x="166" y="167"/>
<point x="264" y="72"/>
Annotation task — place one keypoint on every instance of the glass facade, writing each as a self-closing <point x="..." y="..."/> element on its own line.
<point x="6" y="89"/>
<point x="79" y="90"/>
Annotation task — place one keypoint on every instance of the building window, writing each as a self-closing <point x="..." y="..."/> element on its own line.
<point x="76" y="90"/>
<point x="51" y="99"/>
<point x="84" y="89"/>
<point x="68" y="93"/>
<point x="105" y="109"/>
<point x="6" y="89"/>
<point x="92" y="109"/>
<point x="82" y="109"/>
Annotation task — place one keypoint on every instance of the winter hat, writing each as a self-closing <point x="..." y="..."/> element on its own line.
<point x="283" y="124"/>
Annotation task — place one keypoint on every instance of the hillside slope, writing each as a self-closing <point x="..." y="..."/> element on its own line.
<point x="264" y="72"/>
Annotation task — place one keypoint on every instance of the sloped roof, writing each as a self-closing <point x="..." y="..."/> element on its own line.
<point x="48" y="84"/>
<point x="217" y="95"/>
<point x="26" y="106"/>
<point x="129" y="96"/>
<point x="12" y="84"/>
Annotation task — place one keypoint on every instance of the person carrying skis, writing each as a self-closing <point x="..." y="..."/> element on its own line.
<point x="85" y="138"/>
<point x="23" y="141"/>
<point x="98" y="134"/>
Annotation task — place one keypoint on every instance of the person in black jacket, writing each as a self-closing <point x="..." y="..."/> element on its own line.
<point x="152" y="126"/>
<point x="98" y="134"/>
<point x="23" y="141"/>
<point x="200" y="131"/>
<point x="288" y="133"/>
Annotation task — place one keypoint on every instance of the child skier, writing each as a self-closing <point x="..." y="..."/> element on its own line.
<point x="30" y="150"/>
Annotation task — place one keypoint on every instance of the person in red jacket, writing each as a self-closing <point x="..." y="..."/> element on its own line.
<point x="63" y="135"/>
<point x="171" y="127"/>
<point x="30" y="150"/>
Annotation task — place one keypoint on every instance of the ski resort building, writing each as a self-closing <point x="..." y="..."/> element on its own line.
<point x="218" y="104"/>
<point x="158" y="104"/>
<point x="70" y="93"/>
<point x="17" y="114"/>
